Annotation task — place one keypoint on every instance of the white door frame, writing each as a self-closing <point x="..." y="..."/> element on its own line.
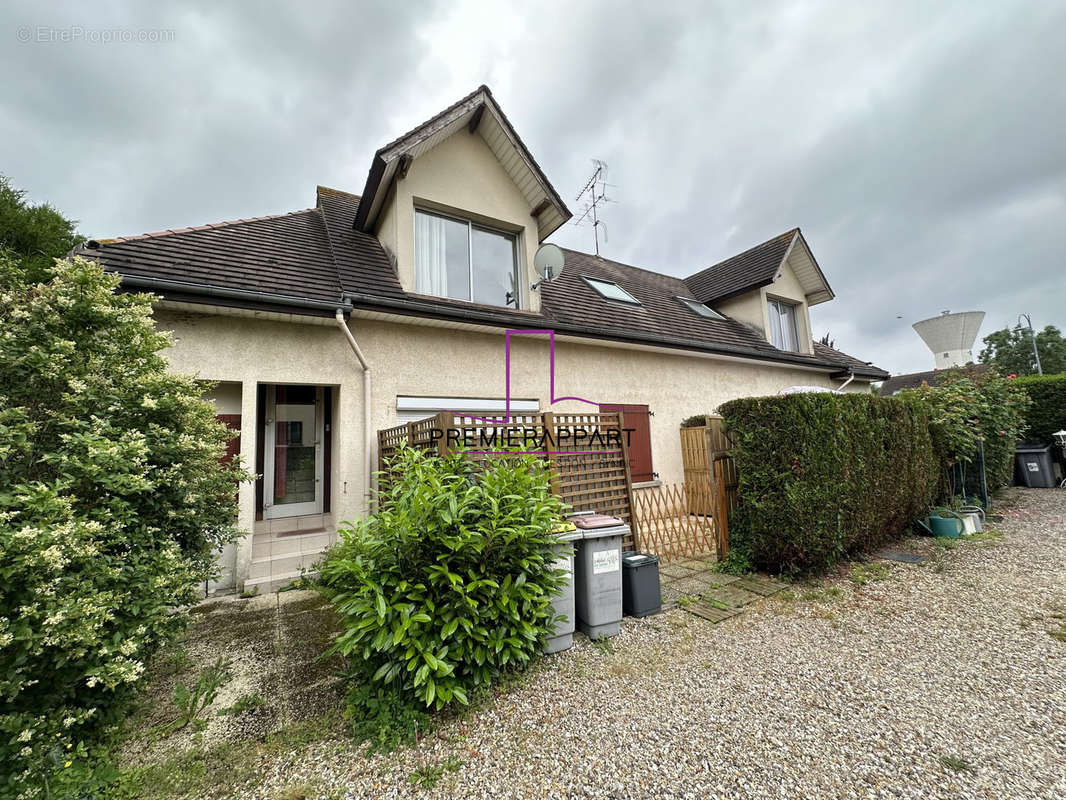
<point x="270" y="510"/>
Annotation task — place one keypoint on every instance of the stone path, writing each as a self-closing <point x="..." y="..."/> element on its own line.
<point x="693" y="585"/>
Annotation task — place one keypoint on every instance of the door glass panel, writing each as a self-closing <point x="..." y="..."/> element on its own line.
<point x="294" y="445"/>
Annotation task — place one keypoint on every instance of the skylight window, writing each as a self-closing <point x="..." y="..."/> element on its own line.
<point x="612" y="291"/>
<point x="700" y="308"/>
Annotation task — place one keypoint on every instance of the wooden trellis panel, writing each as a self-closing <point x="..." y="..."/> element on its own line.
<point x="667" y="527"/>
<point x="585" y="475"/>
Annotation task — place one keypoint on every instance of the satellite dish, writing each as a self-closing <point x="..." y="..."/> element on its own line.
<point x="548" y="262"/>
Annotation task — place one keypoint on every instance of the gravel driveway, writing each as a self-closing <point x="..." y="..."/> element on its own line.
<point x="933" y="681"/>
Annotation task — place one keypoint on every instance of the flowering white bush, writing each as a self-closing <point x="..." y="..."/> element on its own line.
<point x="112" y="499"/>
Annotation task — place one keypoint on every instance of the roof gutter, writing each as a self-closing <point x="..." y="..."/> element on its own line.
<point x="163" y="285"/>
<point x="500" y="320"/>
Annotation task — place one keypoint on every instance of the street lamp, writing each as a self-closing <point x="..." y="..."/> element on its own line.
<point x="1032" y="337"/>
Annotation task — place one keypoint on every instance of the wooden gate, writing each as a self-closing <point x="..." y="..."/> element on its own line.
<point x="666" y="526"/>
<point x="707" y="461"/>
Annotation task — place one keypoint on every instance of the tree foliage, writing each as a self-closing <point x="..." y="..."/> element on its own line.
<point x="35" y="235"/>
<point x="973" y="410"/>
<point x="1047" y="414"/>
<point x="112" y="499"/>
<point x="451" y="582"/>
<point x="1010" y="351"/>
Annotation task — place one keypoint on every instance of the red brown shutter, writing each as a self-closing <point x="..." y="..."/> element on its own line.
<point x="636" y="421"/>
<point x="233" y="447"/>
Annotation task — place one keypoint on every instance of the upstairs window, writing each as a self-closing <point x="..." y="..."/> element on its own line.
<point x="699" y="308"/>
<point x="611" y="291"/>
<point x="456" y="258"/>
<point x="783" y="331"/>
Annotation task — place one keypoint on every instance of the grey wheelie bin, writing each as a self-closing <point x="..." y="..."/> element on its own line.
<point x="598" y="574"/>
<point x="562" y="637"/>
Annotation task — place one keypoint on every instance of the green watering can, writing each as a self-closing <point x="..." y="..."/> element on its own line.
<point x="944" y="522"/>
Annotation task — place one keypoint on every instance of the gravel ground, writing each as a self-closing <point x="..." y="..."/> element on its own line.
<point x="831" y="690"/>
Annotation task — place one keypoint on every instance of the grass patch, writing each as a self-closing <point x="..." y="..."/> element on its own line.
<point x="862" y="574"/>
<point x="429" y="775"/>
<point x="687" y="600"/>
<point x="219" y="771"/>
<point x="985" y="538"/>
<point x="957" y="764"/>
<point x="247" y="702"/>
<point x="604" y="645"/>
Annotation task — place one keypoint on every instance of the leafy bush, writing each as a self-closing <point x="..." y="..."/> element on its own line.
<point x="823" y="476"/>
<point x="451" y="582"/>
<point x="972" y="411"/>
<point x="1047" y="414"/>
<point x="695" y="421"/>
<point x="112" y="499"/>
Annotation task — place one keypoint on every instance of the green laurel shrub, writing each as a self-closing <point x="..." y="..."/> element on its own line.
<point x="450" y="582"/>
<point x="112" y="501"/>
<point x="823" y="476"/>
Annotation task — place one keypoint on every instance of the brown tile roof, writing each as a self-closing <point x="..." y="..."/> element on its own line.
<point x="569" y="299"/>
<point x="316" y="254"/>
<point x="749" y="270"/>
<point x="362" y="264"/>
<point x="285" y="254"/>
<point x="913" y="380"/>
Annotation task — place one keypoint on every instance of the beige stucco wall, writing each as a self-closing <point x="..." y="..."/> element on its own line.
<point x="247" y="352"/>
<point x="461" y="176"/>
<point x="435" y="361"/>
<point x="226" y="398"/>
<point x="468" y="364"/>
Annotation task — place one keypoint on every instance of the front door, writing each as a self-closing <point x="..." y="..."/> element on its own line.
<point x="292" y="466"/>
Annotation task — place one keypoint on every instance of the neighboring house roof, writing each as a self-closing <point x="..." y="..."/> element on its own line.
<point x="478" y="111"/>
<point x="760" y="266"/>
<point x="913" y="380"/>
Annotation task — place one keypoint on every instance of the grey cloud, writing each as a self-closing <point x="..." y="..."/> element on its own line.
<point x="918" y="145"/>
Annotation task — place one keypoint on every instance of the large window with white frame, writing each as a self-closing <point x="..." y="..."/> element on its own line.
<point x="784" y="331"/>
<point x="465" y="261"/>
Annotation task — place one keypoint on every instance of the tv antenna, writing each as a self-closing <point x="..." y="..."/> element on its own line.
<point x="595" y="192"/>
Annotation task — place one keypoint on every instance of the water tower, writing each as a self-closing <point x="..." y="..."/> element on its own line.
<point x="951" y="336"/>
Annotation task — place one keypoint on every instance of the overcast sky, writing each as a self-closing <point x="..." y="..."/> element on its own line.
<point x="920" y="146"/>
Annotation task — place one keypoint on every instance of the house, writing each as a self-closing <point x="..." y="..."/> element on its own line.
<point x="324" y="325"/>
<point x="913" y="380"/>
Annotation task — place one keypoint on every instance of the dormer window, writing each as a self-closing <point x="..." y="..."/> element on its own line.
<point x="611" y="291"/>
<point x="459" y="259"/>
<point x="699" y="308"/>
<point x="783" y="332"/>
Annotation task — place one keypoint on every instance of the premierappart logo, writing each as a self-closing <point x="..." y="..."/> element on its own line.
<point x="508" y="435"/>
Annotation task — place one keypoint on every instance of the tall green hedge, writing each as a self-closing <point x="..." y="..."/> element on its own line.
<point x="825" y="475"/>
<point x="1047" y="414"/>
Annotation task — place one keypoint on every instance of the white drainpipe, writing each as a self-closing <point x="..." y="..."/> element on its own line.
<point x="368" y="465"/>
<point x="840" y="389"/>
